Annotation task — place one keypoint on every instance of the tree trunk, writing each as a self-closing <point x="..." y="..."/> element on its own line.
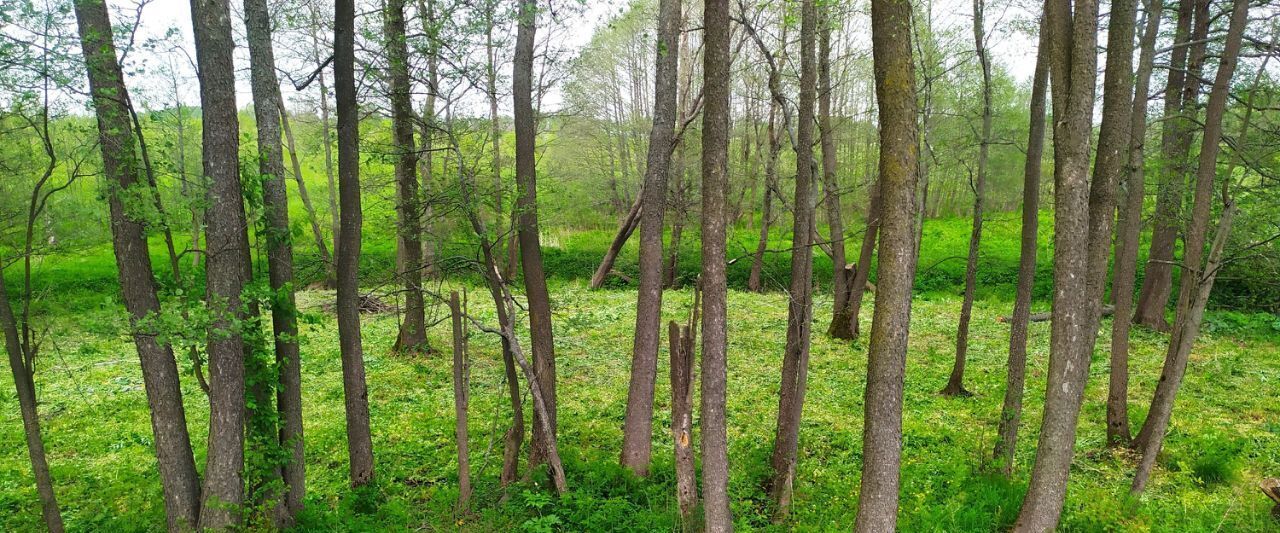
<point x="1181" y="92"/>
<point x="326" y="138"/>
<point x="887" y="350"/>
<point x="1072" y="71"/>
<point x="23" y="369"/>
<point x="1128" y="231"/>
<point x="355" y="391"/>
<point x="682" y="356"/>
<point x="269" y="113"/>
<point x="625" y="229"/>
<point x="312" y="217"/>
<point x="715" y="158"/>
<point x="862" y="272"/>
<point x="461" y="395"/>
<point x="955" y="383"/>
<point x="535" y="280"/>
<point x="1198" y="279"/>
<point x="178" y="476"/>
<point x="637" y="428"/>
<point x="754" y="283"/>
<point x="226" y="267"/>
<point x="830" y="181"/>
<point x="795" y="360"/>
<point x="412" y="337"/>
<point x="1015" y="384"/>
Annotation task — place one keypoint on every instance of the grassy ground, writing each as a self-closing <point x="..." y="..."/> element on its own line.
<point x="1223" y="436"/>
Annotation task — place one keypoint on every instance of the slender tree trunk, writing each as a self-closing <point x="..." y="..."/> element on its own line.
<point x="682" y="357"/>
<point x="637" y="428"/>
<point x="535" y="280"/>
<point x="715" y="161"/>
<point x="178" y="476"/>
<point x="426" y="162"/>
<point x="754" y="283"/>
<point x="955" y="383"/>
<point x="269" y="114"/>
<point x="354" y="389"/>
<point x="412" y="337"/>
<point x="1015" y="384"/>
<point x="461" y="395"/>
<point x="327" y="139"/>
<point x="1198" y="278"/>
<point x="495" y="123"/>
<point x="1175" y="143"/>
<point x="839" y="327"/>
<point x="1072" y="71"/>
<point x="887" y="350"/>
<point x="1128" y="230"/>
<point x="795" y="361"/>
<point x="23" y="369"/>
<point x="227" y="242"/>
<point x="314" y="219"/>
<point x="862" y="272"/>
<point x="625" y="229"/>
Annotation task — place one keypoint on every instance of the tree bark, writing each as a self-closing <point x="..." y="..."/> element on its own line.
<point x="955" y="383"/>
<point x="682" y="357"/>
<point x="637" y="427"/>
<point x="862" y="271"/>
<point x="1198" y="278"/>
<point x="354" y="389"/>
<point x="830" y="181"/>
<point x="1181" y="92"/>
<point x="795" y="360"/>
<point x="22" y="366"/>
<point x="715" y="158"/>
<point x="178" y="476"/>
<point x="1072" y="71"/>
<point x="754" y="282"/>
<point x="1128" y="231"/>
<point x="1015" y="384"/>
<point x="461" y="399"/>
<point x="535" y="280"/>
<point x="312" y="217"/>
<point x="625" y="229"/>
<point x="269" y="113"/>
<point x="887" y="350"/>
<point x="412" y="337"/>
<point x="227" y="242"/>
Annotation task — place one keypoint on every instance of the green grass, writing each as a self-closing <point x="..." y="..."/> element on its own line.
<point x="1221" y="441"/>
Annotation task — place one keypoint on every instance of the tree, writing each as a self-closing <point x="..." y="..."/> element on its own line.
<point x="178" y="477"/>
<point x="795" y="360"/>
<point x="955" y="383"/>
<point x="412" y="337"/>
<point x="637" y="432"/>
<point x="1128" y="230"/>
<point x="890" y="325"/>
<point x="226" y="266"/>
<point x="535" y="280"/>
<point x="830" y="181"/>
<point x="715" y="162"/>
<point x="1072" y="72"/>
<point x="354" y="389"/>
<point x="1015" y="383"/>
<point x="1198" y="279"/>
<point x="269" y="115"/>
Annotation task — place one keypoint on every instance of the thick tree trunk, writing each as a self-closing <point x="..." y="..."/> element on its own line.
<point x="1157" y="281"/>
<point x="830" y="182"/>
<point x="955" y="383"/>
<point x="178" y="476"/>
<point x="24" y="383"/>
<point x="412" y="337"/>
<point x="461" y="399"/>
<point x="1198" y="278"/>
<point x="1015" y="383"/>
<point x="354" y="389"/>
<point x="887" y="350"/>
<point x="1072" y="71"/>
<point x="269" y="113"/>
<point x="682" y="357"/>
<point x="226" y="267"/>
<point x="1128" y="230"/>
<point x="535" y="280"/>
<point x="715" y="157"/>
<point x="795" y="360"/>
<point x="637" y="426"/>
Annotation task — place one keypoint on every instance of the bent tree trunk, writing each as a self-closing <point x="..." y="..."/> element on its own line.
<point x="1015" y="382"/>
<point x="625" y="229"/>
<point x="862" y="271"/>
<point x="887" y="350"/>
<point x="637" y="428"/>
